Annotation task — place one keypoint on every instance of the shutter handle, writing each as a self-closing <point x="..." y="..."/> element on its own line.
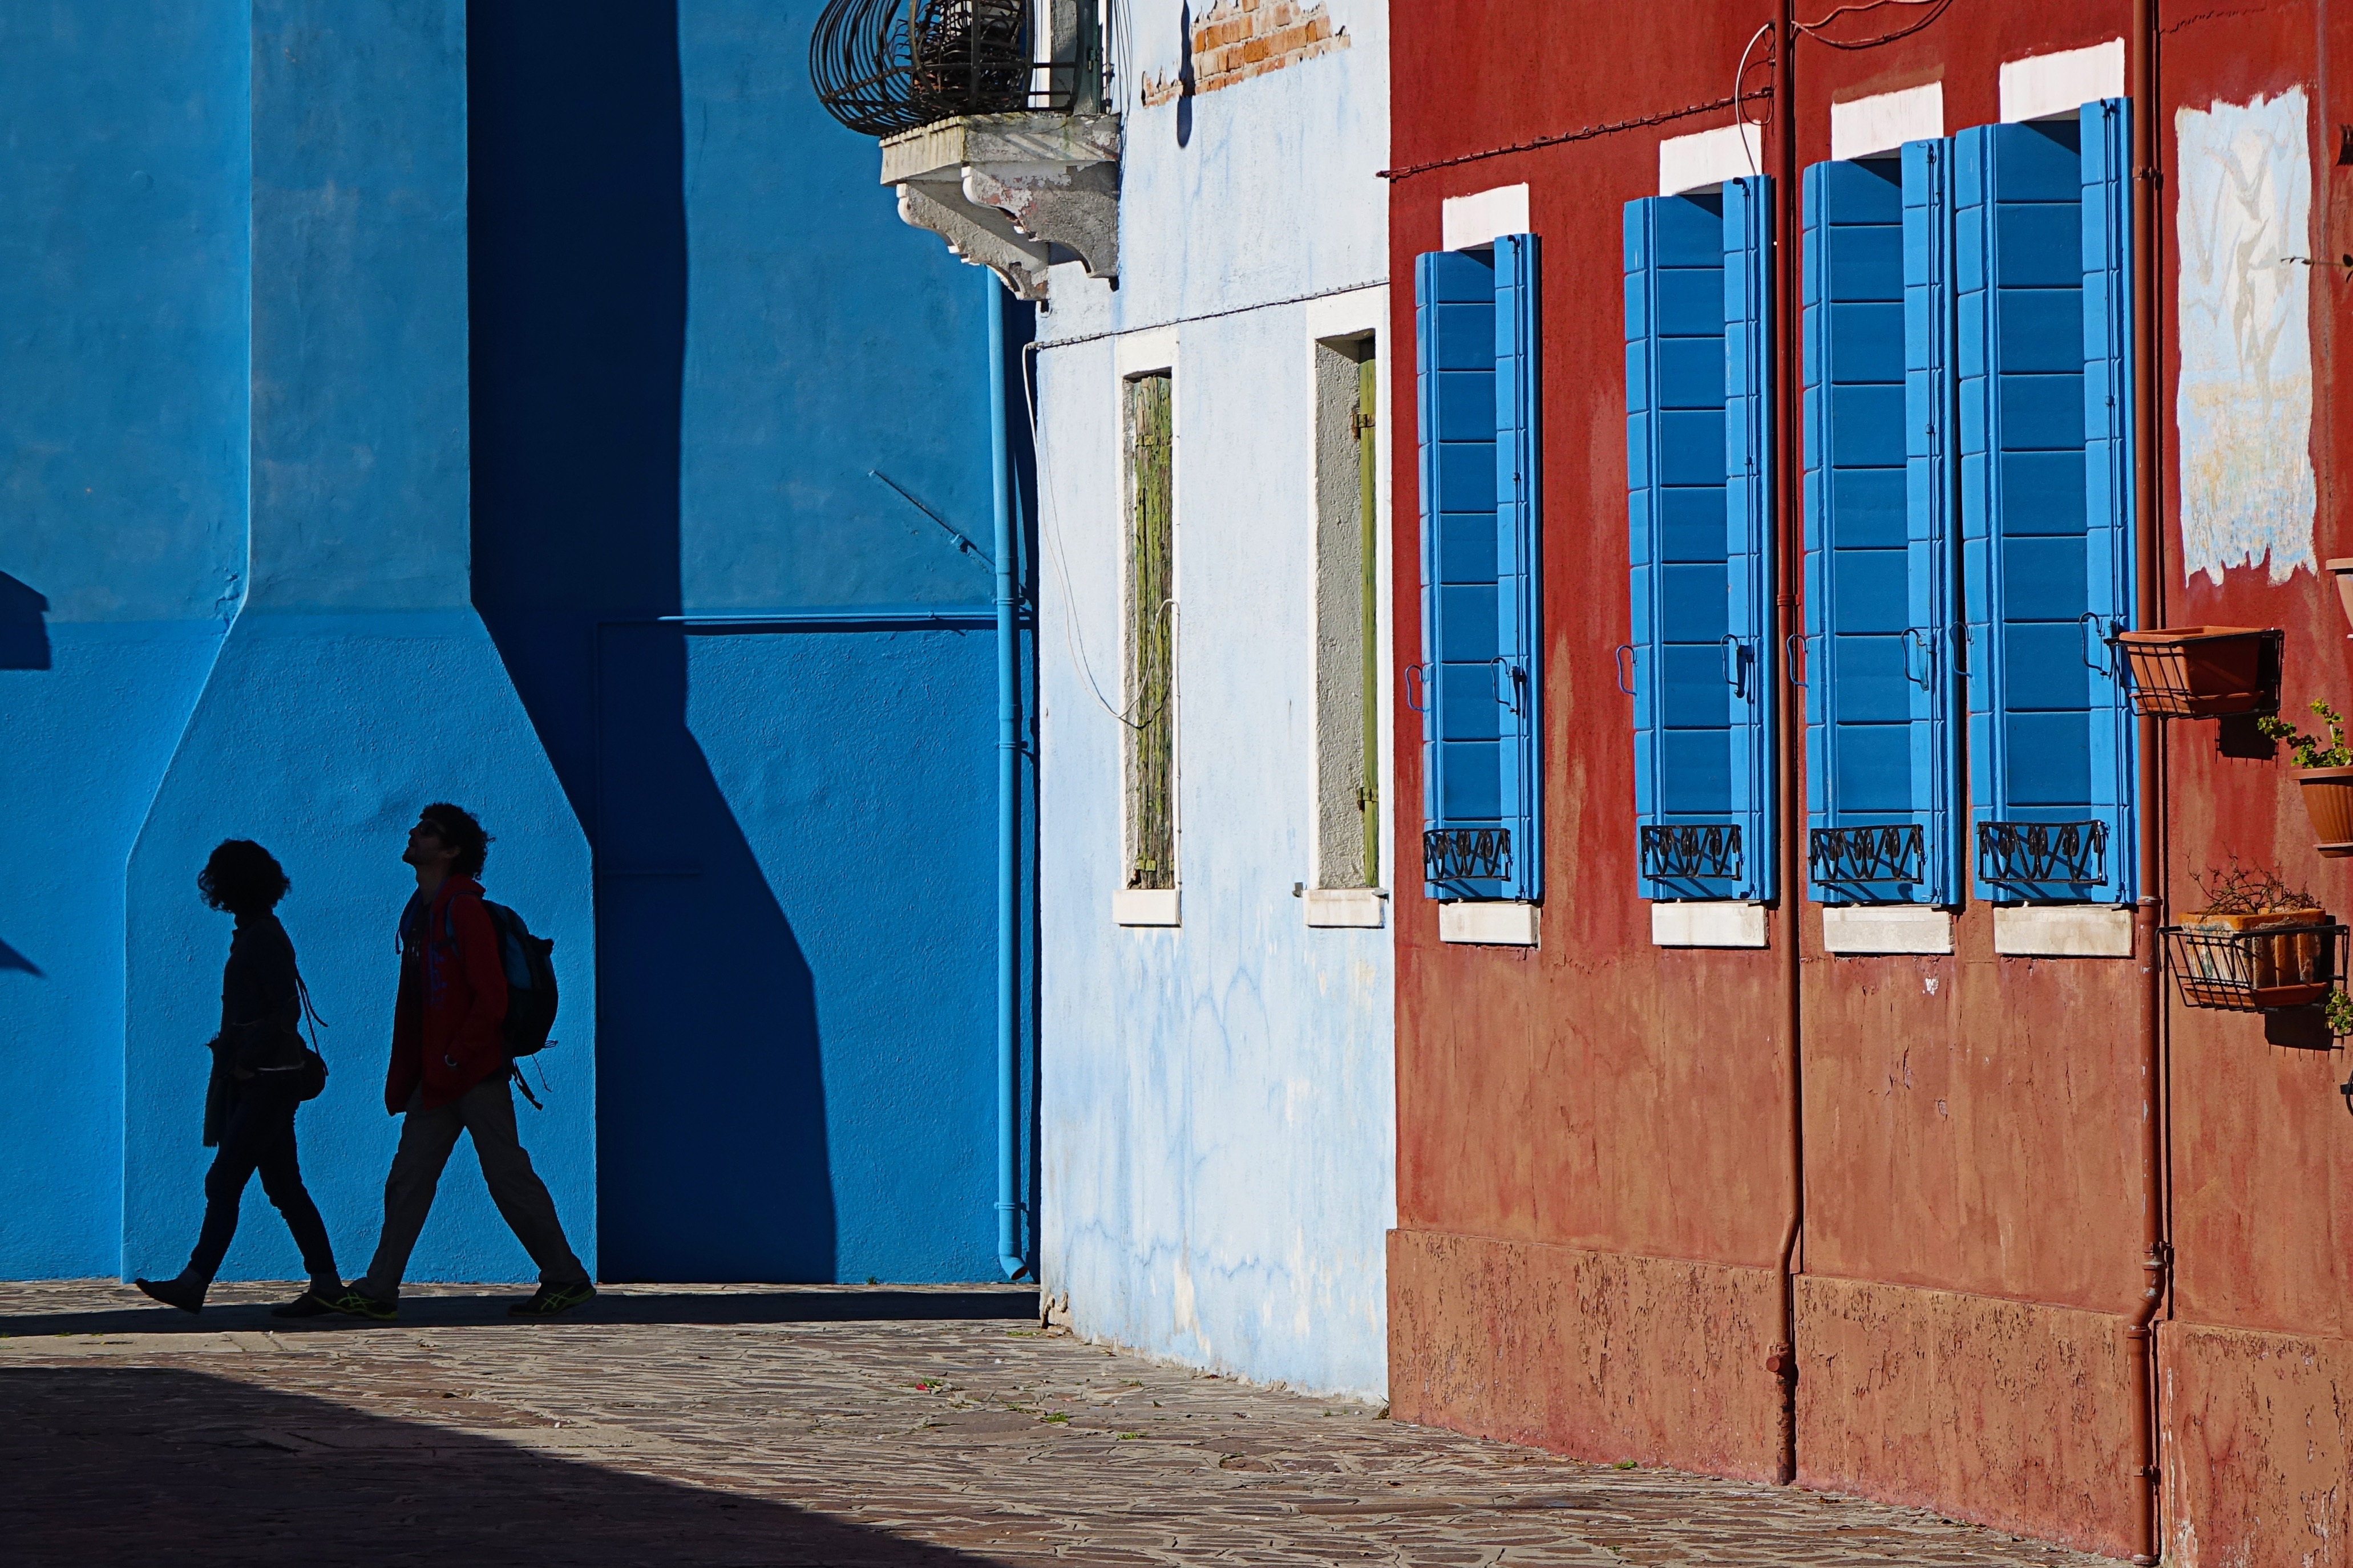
<point x="1913" y="637"/>
<point x="1735" y="663"/>
<point x="2093" y="617"/>
<point x="1620" y="665"/>
<point x="1415" y="681"/>
<point x="1507" y="695"/>
<point x="1793" y="650"/>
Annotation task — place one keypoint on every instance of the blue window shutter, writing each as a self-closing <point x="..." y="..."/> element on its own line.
<point x="2040" y="690"/>
<point x="1749" y="434"/>
<point x="1644" y="547"/>
<point x="1695" y="574"/>
<point x="1873" y="718"/>
<point x="1518" y="534"/>
<point x="2109" y="512"/>
<point x="1928" y="460"/>
<point x="1462" y="750"/>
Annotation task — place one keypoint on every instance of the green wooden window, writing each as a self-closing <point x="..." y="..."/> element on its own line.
<point x="1151" y="634"/>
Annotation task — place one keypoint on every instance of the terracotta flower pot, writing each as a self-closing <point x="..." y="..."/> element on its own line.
<point x="2204" y="672"/>
<point x="2328" y="801"/>
<point x="2341" y="568"/>
<point x="2286" y="971"/>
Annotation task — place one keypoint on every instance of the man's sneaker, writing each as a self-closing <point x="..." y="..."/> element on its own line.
<point x="311" y="1303"/>
<point x="351" y="1304"/>
<point x="184" y="1293"/>
<point x="552" y="1301"/>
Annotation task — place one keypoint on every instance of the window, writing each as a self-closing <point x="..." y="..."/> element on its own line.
<point x="1881" y="750"/>
<point x="1969" y="516"/>
<point x="2043" y="298"/>
<point x="1348" y="691"/>
<point x="1699" y="456"/>
<point x="1476" y="325"/>
<point x="1150" y="632"/>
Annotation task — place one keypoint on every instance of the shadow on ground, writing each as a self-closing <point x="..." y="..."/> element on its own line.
<point x="489" y="1307"/>
<point x="137" y="1464"/>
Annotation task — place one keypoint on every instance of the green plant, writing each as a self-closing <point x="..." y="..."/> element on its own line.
<point x="2241" y="889"/>
<point x="2311" y="751"/>
<point x="2340" y="1014"/>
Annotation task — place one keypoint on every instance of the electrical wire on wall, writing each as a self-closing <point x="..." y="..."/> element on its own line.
<point x="1814" y="30"/>
<point x="1072" y="641"/>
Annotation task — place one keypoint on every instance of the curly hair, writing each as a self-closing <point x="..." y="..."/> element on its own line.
<point x="457" y="829"/>
<point x="242" y="878"/>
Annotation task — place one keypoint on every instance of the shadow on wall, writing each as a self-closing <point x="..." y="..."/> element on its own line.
<point x="23" y="635"/>
<point x="224" y="1472"/>
<point x="711" y="1151"/>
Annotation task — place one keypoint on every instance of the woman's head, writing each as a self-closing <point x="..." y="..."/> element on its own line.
<point x="242" y="878"/>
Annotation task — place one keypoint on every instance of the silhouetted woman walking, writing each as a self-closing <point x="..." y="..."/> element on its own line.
<point x="259" y="1068"/>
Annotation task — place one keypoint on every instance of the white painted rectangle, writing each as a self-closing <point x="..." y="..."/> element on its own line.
<point x="1468" y="222"/>
<point x="1887" y="929"/>
<point x="1144" y="906"/>
<point x="1350" y="314"/>
<point x="1344" y="907"/>
<point x="1150" y="349"/>
<point x="2067" y="931"/>
<point x="1709" y="923"/>
<point x="2041" y="86"/>
<point x="1497" y="924"/>
<point x="1883" y="122"/>
<point x="1707" y="158"/>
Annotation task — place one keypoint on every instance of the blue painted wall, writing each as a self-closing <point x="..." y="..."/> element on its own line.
<point x="122" y="465"/>
<point x="357" y="682"/>
<point x="558" y="321"/>
<point x="698" y="325"/>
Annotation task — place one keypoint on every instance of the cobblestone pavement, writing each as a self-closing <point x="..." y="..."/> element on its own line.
<point x="915" y="1428"/>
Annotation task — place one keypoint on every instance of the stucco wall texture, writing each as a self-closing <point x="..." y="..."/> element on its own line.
<point x="421" y="274"/>
<point x="1972" y="1203"/>
<point x="1216" y="1096"/>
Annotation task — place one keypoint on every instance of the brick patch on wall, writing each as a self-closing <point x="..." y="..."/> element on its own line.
<point x="1239" y="39"/>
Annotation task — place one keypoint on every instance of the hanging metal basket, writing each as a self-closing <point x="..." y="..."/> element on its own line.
<point x="2219" y="962"/>
<point x="881" y="66"/>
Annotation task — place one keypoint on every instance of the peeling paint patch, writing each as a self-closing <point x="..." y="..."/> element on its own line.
<point x="2244" y="399"/>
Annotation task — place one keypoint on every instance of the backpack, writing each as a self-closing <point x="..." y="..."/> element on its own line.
<point x="531" y="981"/>
<point x="531" y="977"/>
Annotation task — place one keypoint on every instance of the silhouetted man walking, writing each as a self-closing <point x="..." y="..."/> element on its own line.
<point x="449" y="1075"/>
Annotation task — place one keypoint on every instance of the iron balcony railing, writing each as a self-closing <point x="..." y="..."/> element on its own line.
<point x="881" y="66"/>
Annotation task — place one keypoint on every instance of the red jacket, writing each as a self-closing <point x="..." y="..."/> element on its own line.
<point x="453" y="997"/>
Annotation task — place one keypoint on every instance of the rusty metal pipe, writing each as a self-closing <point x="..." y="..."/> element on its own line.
<point x="2140" y="1335"/>
<point x="1782" y="1363"/>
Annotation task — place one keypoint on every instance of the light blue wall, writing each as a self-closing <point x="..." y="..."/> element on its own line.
<point x="1218" y="1100"/>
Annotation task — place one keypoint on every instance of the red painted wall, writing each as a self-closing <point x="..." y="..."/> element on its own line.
<point x="1592" y="1160"/>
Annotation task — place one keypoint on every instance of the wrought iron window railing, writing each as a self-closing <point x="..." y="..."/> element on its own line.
<point x="1862" y="856"/>
<point x="1466" y="854"/>
<point x="2028" y="854"/>
<point x="1683" y="850"/>
<point x="881" y="66"/>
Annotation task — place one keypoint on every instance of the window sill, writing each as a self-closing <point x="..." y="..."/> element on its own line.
<point x="1144" y="907"/>
<point x="2064" y="931"/>
<point x="1334" y="907"/>
<point x="1499" y="924"/>
<point x="1886" y="928"/>
<point x="1707" y="923"/>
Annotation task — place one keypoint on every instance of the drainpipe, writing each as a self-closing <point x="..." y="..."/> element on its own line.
<point x="1782" y="1363"/>
<point x="1008" y="808"/>
<point x="2148" y="610"/>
